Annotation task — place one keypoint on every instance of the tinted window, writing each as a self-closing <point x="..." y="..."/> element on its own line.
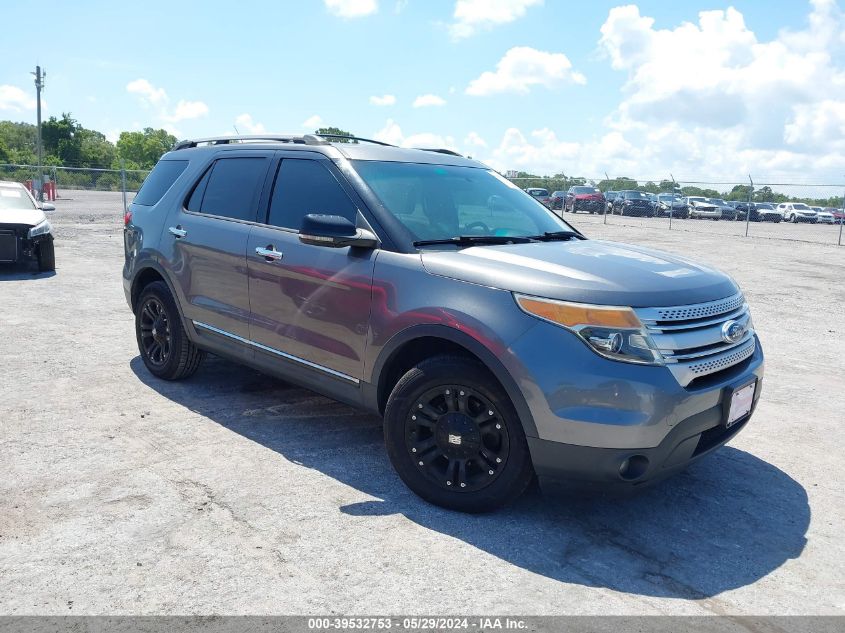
<point x="195" y="201"/>
<point x="161" y="178"/>
<point x="232" y="188"/>
<point x="442" y="201"/>
<point x="303" y="187"/>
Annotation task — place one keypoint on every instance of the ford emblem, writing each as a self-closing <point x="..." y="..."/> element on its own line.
<point x="732" y="331"/>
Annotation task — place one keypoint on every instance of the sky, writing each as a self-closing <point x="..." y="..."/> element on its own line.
<point x="701" y="89"/>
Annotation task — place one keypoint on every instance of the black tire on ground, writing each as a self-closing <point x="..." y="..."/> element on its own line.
<point x="46" y="256"/>
<point x="443" y="406"/>
<point x="162" y="341"/>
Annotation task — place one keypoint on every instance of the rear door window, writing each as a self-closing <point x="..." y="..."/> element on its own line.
<point x="231" y="188"/>
<point x="160" y="179"/>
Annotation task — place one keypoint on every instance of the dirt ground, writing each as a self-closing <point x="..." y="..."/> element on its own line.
<point x="234" y="493"/>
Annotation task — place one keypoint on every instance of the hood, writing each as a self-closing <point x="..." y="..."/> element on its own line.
<point x="588" y="271"/>
<point x="29" y="217"/>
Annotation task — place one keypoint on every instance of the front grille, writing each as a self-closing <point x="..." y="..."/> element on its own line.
<point x="690" y="337"/>
<point x="8" y="246"/>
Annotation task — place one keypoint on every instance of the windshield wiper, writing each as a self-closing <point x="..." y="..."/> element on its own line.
<point x="473" y="240"/>
<point x="550" y="236"/>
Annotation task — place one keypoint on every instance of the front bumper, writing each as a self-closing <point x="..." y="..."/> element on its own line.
<point x="591" y="414"/>
<point x="16" y="245"/>
<point x="699" y="435"/>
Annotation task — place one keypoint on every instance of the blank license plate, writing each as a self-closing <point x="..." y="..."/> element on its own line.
<point x="741" y="401"/>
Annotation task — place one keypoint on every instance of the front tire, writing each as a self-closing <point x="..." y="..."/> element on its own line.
<point x="46" y="256"/>
<point x="454" y="437"/>
<point x="162" y="341"/>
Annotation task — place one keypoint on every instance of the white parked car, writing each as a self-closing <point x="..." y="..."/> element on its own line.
<point x="768" y="213"/>
<point x="822" y="216"/>
<point x="797" y="212"/>
<point x="25" y="233"/>
<point x="700" y="208"/>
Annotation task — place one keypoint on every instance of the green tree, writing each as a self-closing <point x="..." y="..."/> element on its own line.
<point x="95" y="149"/>
<point x="141" y="150"/>
<point x="336" y="131"/>
<point x="60" y="138"/>
<point x="20" y="139"/>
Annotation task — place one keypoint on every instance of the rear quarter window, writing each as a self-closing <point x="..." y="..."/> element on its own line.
<point x="161" y="178"/>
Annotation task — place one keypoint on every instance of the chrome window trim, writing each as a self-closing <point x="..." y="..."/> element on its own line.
<point x="271" y="350"/>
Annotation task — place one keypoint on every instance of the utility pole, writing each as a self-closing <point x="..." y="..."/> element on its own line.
<point x="750" y="202"/>
<point x="39" y="85"/>
<point x="841" y="222"/>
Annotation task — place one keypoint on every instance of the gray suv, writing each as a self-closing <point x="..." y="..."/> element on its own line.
<point x="497" y="341"/>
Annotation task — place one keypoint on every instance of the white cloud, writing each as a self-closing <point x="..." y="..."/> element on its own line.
<point x="188" y="110"/>
<point x="523" y="67"/>
<point x="474" y="140"/>
<point x="149" y="94"/>
<point x="472" y="16"/>
<point x="711" y="98"/>
<point x="313" y="122"/>
<point x="157" y="99"/>
<point x="245" y="125"/>
<point x="392" y="133"/>
<point x="425" y="101"/>
<point x="351" y="8"/>
<point x="15" y="99"/>
<point x="384" y="100"/>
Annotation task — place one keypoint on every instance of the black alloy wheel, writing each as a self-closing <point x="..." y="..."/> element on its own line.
<point x="155" y="336"/>
<point x="457" y="438"/>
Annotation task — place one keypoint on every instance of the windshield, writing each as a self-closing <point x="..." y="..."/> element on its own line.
<point x="15" y="198"/>
<point x="696" y="199"/>
<point x="538" y="192"/>
<point x="718" y="201"/>
<point x="763" y="205"/>
<point x="443" y="201"/>
<point x="801" y="207"/>
<point x="638" y="195"/>
<point x="578" y="190"/>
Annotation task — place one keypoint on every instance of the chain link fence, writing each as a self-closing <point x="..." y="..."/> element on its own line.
<point x="77" y="178"/>
<point x="811" y="212"/>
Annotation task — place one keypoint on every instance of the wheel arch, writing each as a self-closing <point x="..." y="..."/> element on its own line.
<point x="149" y="273"/>
<point x="415" y="344"/>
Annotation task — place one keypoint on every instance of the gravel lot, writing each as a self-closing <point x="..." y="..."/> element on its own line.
<point x="234" y="493"/>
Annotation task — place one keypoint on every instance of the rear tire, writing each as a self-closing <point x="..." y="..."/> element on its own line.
<point x="162" y="341"/>
<point x="46" y="256"/>
<point x="454" y="437"/>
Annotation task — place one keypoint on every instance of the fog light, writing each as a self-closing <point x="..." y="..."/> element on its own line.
<point x="633" y="467"/>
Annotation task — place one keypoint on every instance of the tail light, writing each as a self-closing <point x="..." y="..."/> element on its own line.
<point x="127" y="218"/>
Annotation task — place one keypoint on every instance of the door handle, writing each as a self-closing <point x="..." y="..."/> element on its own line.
<point x="269" y="253"/>
<point x="178" y="231"/>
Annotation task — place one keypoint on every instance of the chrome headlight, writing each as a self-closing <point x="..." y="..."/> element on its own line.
<point x="611" y="331"/>
<point x="41" y="228"/>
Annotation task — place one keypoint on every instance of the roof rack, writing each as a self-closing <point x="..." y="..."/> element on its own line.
<point x="226" y="140"/>
<point x="300" y="139"/>
<point x="351" y="138"/>
<point x="440" y="151"/>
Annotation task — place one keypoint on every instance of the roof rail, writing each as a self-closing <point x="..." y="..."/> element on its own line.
<point x="351" y="138"/>
<point x="440" y="151"/>
<point x="307" y="139"/>
<point x="301" y="139"/>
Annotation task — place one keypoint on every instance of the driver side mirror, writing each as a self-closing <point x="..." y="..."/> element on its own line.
<point x="334" y="231"/>
<point x="48" y="206"/>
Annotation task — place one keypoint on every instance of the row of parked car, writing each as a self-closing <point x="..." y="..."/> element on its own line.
<point x="639" y="203"/>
